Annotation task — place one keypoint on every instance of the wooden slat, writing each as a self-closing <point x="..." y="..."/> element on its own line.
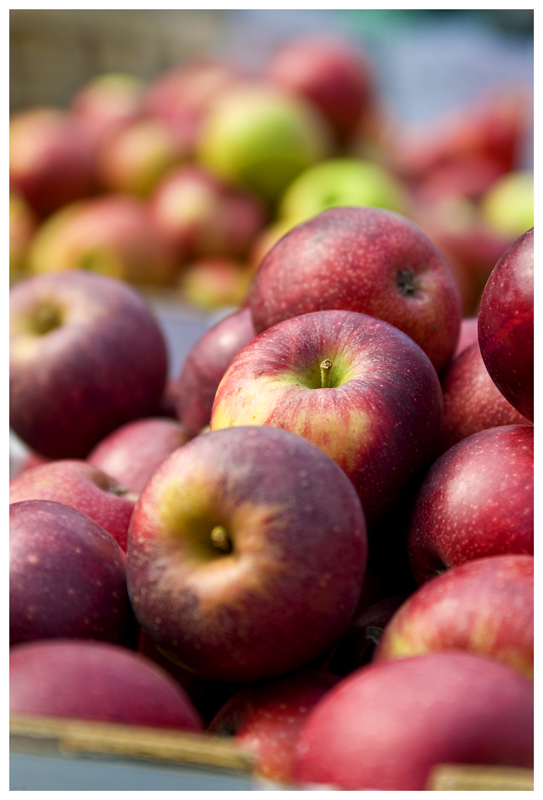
<point x="472" y="777"/>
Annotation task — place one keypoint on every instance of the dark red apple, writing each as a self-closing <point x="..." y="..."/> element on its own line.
<point x="506" y="324"/>
<point x="485" y="606"/>
<point x="96" y="681"/>
<point x="86" y="355"/>
<point x="362" y="259"/>
<point x="375" y="406"/>
<point x="246" y="553"/>
<point x="82" y="486"/>
<point x="476" y="500"/>
<point x="132" y="453"/>
<point x="385" y="726"/>
<point x="205" y="364"/>
<point x="67" y="576"/>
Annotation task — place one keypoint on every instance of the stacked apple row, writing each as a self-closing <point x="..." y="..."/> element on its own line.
<point x="186" y="180"/>
<point x="326" y="550"/>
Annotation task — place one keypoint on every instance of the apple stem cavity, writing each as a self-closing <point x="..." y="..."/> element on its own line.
<point x="326" y="367"/>
<point x="46" y="319"/>
<point x="406" y="281"/>
<point x="220" y="539"/>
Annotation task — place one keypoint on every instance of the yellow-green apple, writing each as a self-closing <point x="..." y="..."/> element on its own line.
<point x="341" y="182"/>
<point x="134" y="451"/>
<point x="266" y="238"/>
<point x="202" y="215"/>
<point x="333" y="73"/>
<point x="246" y="553"/>
<point x="23" y="224"/>
<point x="506" y="324"/>
<point x="261" y="137"/>
<point x="96" y="681"/>
<point x="136" y="156"/>
<point x="485" y="606"/>
<point x="112" y="234"/>
<point x="468" y="334"/>
<point x="471" y="400"/>
<point x="67" y="576"/>
<point x="357" y="387"/>
<point x="80" y="485"/>
<point x="214" y="282"/>
<point x="204" y="365"/>
<point x="476" y="500"/>
<point x="363" y="259"/>
<point x="266" y="718"/>
<point x="508" y="205"/>
<point x="51" y="158"/>
<point x="86" y="354"/>
<point x="385" y="726"/>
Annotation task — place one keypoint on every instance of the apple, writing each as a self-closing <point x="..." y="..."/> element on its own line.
<point x="204" y="365"/>
<point x="67" y="576"/>
<point x="23" y="224"/>
<point x="266" y="718"/>
<point x="246" y="554"/>
<point x="201" y="215"/>
<point x="266" y="239"/>
<point x="341" y="182"/>
<point x="468" y="334"/>
<point x="136" y="156"/>
<point x="386" y="725"/>
<point x="485" y="606"/>
<point x="133" y="452"/>
<point x="82" y="486"/>
<point x="331" y="72"/>
<point x="107" y="101"/>
<point x="363" y="259"/>
<point x="506" y="324"/>
<point x="112" y="235"/>
<point x="261" y="138"/>
<point x="96" y="681"/>
<point x="352" y="384"/>
<point x="508" y="205"/>
<point x="215" y="282"/>
<point x="86" y="355"/>
<point x="471" y="400"/>
<point x="476" y="500"/>
<point x="51" y="158"/>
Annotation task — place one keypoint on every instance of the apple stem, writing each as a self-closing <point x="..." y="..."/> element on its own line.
<point x="220" y="539"/>
<point x="326" y="367"/>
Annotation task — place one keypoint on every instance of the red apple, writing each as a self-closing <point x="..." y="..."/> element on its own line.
<point x="86" y="355"/>
<point x="51" y="159"/>
<point x="67" y="576"/>
<point x="331" y="72"/>
<point x="204" y="365"/>
<point x="471" y="400"/>
<point x="506" y="324"/>
<point x="476" y="500"/>
<point x="132" y="453"/>
<point x="107" y="101"/>
<point x="386" y="725"/>
<point x="96" y="681"/>
<point x="246" y="554"/>
<point x="468" y="334"/>
<point x="266" y="718"/>
<point x="485" y="606"/>
<point x="82" y="486"/>
<point x="112" y="235"/>
<point x="362" y="259"/>
<point x="376" y="410"/>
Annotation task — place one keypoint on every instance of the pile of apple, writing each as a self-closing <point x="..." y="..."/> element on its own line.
<point x="317" y="539"/>
<point x="187" y="179"/>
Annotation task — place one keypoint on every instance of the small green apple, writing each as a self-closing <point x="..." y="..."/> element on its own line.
<point x="508" y="206"/>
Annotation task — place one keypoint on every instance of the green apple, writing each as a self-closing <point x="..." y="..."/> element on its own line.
<point x="262" y="138"/>
<point x="508" y="206"/>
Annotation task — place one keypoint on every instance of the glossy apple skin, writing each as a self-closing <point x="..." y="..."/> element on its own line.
<point x="82" y="486"/>
<point x="506" y="324"/>
<point x="476" y="500"/>
<point x="468" y="334"/>
<point x="471" y="400"/>
<point x="362" y="259"/>
<point x="485" y="606"/>
<point x="132" y="453"/>
<point x="105" y="363"/>
<point x="386" y="725"/>
<point x="205" y="364"/>
<point x="267" y="717"/>
<point x="292" y="580"/>
<point x="96" y="681"/>
<point x="67" y="576"/>
<point x="381" y="417"/>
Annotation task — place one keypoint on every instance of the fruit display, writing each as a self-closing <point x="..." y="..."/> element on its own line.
<point x="314" y="538"/>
